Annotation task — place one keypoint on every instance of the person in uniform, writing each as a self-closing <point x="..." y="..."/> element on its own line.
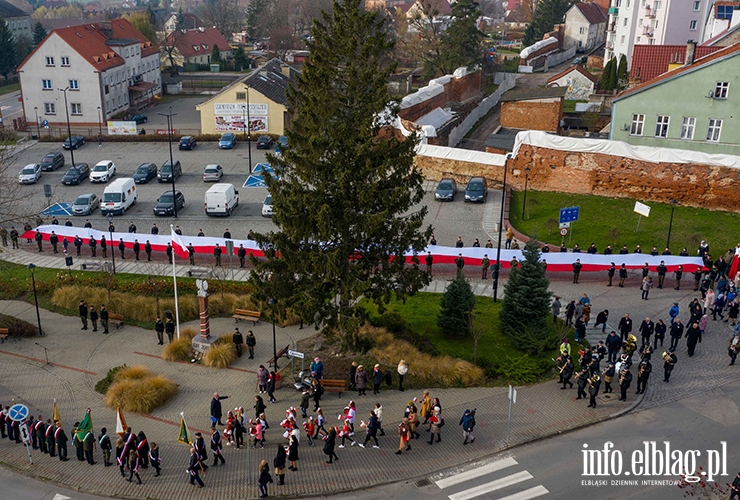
<point x="460" y="263"/>
<point x="169" y="328"/>
<point x="39" y="435"/>
<point x="622" y="275"/>
<point x="560" y="363"/>
<point x="216" y="447"/>
<point x="155" y="459"/>
<point x="105" y="446"/>
<point x="567" y="373"/>
<point x="594" y="384"/>
<point x="54" y="240"/>
<point x="39" y="239"/>
<point x="50" y="442"/>
<point x="142" y="449"/>
<point x="88" y="446"/>
<point x="4" y="236"/>
<point x="191" y="254"/>
<point x="94" y="318"/>
<point x="78" y="245"/>
<point x="104" y="318"/>
<point x="678" y="274"/>
<point x="582" y="382"/>
<point x="122" y="248"/>
<point x="610" y="274"/>
<point x="217" y="254"/>
<point x="625" y="379"/>
<point x="93" y="246"/>
<point x="669" y="363"/>
<point x="77" y="443"/>
<point x="643" y="375"/>
<point x="83" y="314"/>
<point x="251" y="342"/>
<point x="155" y="229"/>
<point x="195" y="467"/>
<point x="137" y="249"/>
<point x="662" y="269"/>
<point x="131" y="227"/>
<point x="429" y="259"/>
<point x="576" y="270"/>
<point x="14" y="238"/>
<point x="608" y="376"/>
<point x="238" y="340"/>
<point x="168" y="251"/>
<point x="242" y="254"/>
<point x="178" y="231"/>
<point x="60" y="438"/>
<point x="201" y="234"/>
<point x="104" y="247"/>
<point x="148" y="251"/>
<point x="484" y="265"/>
<point x="159" y="328"/>
<point x="200" y="448"/>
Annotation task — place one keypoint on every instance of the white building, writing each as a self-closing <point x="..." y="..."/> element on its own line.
<point x="653" y="22"/>
<point x="107" y="67"/>
<point x="585" y="27"/>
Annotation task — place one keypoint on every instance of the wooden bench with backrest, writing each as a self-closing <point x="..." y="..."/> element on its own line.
<point x="280" y="353"/>
<point x="200" y="273"/>
<point x="4" y="333"/>
<point x="339" y="386"/>
<point x="246" y="314"/>
<point x="92" y="265"/>
<point x="115" y="319"/>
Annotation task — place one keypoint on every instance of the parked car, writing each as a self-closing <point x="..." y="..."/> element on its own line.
<point x="265" y="142"/>
<point x="282" y="143"/>
<point x="227" y="141"/>
<point x="85" y="204"/>
<point x="76" y="174"/>
<point x="103" y="171"/>
<point x="166" y="172"/>
<point x="73" y="142"/>
<point x="187" y="143"/>
<point x="166" y="203"/>
<point x="267" y="206"/>
<point x="446" y="190"/>
<point x="30" y="173"/>
<point x="139" y="118"/>
<point x="118" y="196"/>
<point x="221" y="199"/>
<point x="213" y="173"/>
<point x="145" y="173"/>
<point x="477" y="190"/>
<point x="52" y="161"/>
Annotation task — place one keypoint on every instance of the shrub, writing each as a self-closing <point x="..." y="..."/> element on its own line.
<point x="140" y="395"/>
<point x="18" y="327"/>
<point x="180" y="349"/>
<point x="221" y="353"/>
<point x="103" y="384"/>
<point x="458" y="303"/>
<point x="137" y="372"/>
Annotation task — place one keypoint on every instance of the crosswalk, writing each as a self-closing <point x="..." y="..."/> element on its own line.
<point x="491" y="479"/>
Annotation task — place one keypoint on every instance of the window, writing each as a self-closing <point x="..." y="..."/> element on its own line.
<point x="639" y="23"/>
<point x="661" y="126"/>
<point x="637" y="123"/>
<point x="658" y="5"/>
<point x="12" y="26"/>
<point x="75" y="108"/>
<point x="65" y="61"/>
<point x="687" y="127"/>
<point x="49" y="108"/>
<point x="126" y="53"/>
<point x="628" y="4"/>
<point x="74" y="85"/>
<point x="651" y="41"/>
<point x="638" y="40"/>
<point x="714" y="129"/>
<point x="582" y="30"/>
<point x="49" y="61"/>
<point x="241" y="96"/>
<point x="692" y="25"/>
<point x="625" y="21"/>
<point x="721" y="90"/>
<point x="46" y="84"/>
<point x="697" y="5"/>
<point x="724" y="12"/>
<point x="622" y="40"/>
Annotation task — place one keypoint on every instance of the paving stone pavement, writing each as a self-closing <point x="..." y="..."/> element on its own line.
<point x="79" y="359"/>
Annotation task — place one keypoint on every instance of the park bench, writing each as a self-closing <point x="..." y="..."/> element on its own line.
<point x="115" y="319"/>
<point x="280" y="353"/>
<point x="92" y="265"/>
<point x="246" y="314"/>
<point x="339" y="386"/>
<point x="4" y="333"/>
<point x="200" y="273"/>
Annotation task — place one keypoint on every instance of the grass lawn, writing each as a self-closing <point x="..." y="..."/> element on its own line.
<point x="569" y="105"/>
<point x="7" y="89"/>
<point x="613" y="221"/>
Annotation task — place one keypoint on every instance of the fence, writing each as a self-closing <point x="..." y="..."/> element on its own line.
<point x="456" y="135"/>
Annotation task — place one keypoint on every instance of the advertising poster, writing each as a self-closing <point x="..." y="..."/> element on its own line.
<point x="121" y="128"/>
<point x="231" y="117"/>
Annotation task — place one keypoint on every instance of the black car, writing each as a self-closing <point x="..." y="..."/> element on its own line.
<point x="145" y="173"/>
<point x="477" y="190"/>
<point x="165" y="206"/>
<point x="76" y="174"/>
<point x="139" y="119"/>
<point x="166" y="172"/>
<point x="52" y="161"/>
<point x="73" y="142"/>
<point x="187" y="143"/>
<point x="265" y="142"/>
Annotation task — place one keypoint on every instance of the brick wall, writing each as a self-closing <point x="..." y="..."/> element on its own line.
<point x="532" y="115"/>
<point x="465" y="88"/>
<point x="413" y="113"/>
<point x="438" y="168"/>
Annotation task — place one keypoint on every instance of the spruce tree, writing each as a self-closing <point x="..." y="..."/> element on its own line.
<point x="462" y="42"/>
<point x="346" y="204"/>
<point x="7" y="50"/>
<point x="39" y="33"/>
<point x="604" y="82"/>
<point x="622" y="74"/>
<point x="613" y="80"/>
<point x="458" y="302"/>
<point x="526" y="305"/>
<point x="215" y="54"/>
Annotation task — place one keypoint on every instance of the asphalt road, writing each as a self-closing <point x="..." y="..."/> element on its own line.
<point x="11" y="107"/>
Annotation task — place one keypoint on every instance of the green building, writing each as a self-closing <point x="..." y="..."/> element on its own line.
<point x="695" y="106"/>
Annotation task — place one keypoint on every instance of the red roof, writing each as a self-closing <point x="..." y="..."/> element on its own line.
<point x="650" y="61"/>
<point x="88" y="41"/>
<point x="200" y="41"/>
<point x="732" y="50"/>
<point x="592" y="12"/>
<point x="575" y="67"/>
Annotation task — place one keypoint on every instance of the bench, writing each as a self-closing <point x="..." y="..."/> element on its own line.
<point x="246" y="314"/>
<point x="115" y="319"/>
<point x="280" y="353"/>
<point x="4" y="333"/>
<point x="339" y="386"/>
<point x="92" y="265"/>
<point x="199" y="273"/>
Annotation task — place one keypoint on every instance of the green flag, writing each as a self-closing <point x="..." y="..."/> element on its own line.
<point x="85" y="426"/>
<point x="184" y="436"/>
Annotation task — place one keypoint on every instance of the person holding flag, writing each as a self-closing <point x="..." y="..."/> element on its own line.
<point x="129" y="443"/>
<point x="184" y="436"/>
<point x="120" y="422"/>
<point x="195" y="467"/>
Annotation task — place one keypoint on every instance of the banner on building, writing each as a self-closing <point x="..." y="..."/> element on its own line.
<point x="121" y="128"/>
<point x="232" y="117"/>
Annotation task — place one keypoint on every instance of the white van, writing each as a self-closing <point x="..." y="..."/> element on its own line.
<point x="221" y="199"/>
<point x="118" y="196"/>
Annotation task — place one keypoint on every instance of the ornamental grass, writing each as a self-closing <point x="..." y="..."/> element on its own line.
<point x="139" y="390"/>
<point x="180" y="349"/>
<point x="221" y="353"/>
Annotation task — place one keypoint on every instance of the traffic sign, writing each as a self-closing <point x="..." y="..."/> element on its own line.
<point x="46" y="123"/>
<point x="564" y="224"/>
<point x="296" y="354"/>
<point x="512" y="394"/>
<point x="563" y="231"/>
<point x="569" y="214"/>
<point x="18" y="412"/>
<point x="24" y="433"/>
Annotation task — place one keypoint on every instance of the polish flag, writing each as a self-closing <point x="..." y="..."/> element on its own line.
<point x="178" y="246"/>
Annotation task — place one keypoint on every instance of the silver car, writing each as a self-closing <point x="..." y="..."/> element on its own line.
<point x="30" y="174"/>
<point x="213" y="173"/>
<point x="85" y="204"/>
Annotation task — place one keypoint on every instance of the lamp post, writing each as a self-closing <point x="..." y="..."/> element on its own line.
<point x="249" y="131"/>
<point x="112" y="248"/>
<point x="31" y="267"/>
<point x="38" y="129"/>
<point x="69" y="128"/>
<point x="272" y="303"/>
<point x="526" y="181"/>
<point x="500" y="230"/>
<point x="172" y="165"/>
<point x="670" y="224"/>
<point x="100" y="124"/>
<point x="244" y="121"/>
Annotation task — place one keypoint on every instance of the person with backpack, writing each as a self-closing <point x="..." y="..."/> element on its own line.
<point x="468" y="424"/>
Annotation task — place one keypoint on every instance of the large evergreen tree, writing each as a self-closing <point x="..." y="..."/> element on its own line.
<point x="605" y="83"/>
<point x="622" y="73"/>
<point x="215" y="54"/>
<point x="7" y="50"/>
<point x="526" y="306"/>
<point x="613" y="79"/>
<point x="458" y="302"/>
<point x="346" y="205"/>
<point x="462" y="43"/>
<point x="548" y="14"/>
<point x="39" y="33"/>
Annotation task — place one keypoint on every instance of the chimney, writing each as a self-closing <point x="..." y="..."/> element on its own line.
<point x="106" y="29"/>
<point x="690" y="51"/>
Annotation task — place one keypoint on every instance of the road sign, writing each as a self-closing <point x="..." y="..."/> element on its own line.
<point x="642" y="209"/>
<point x="24" y="433"/>
<point x="564" y="224"/>
<point x="46" y="123"/>
<point x="18" y="412"/>
<point x="564" y="231"/>
<point x="569" y="214"/>
<point x="512" y="394"/>
<point x="296" y="354"/>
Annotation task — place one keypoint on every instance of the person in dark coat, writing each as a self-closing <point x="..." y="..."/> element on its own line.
<point x="372" y="431"/>
<point x="159" y="328"/>
<point x="155" y="458"/>
<point x="79" y="452"/>
<point x="577" y="270"/>
<point x="216" y="411"/>
<point x="625" y="327"/>
<point x="217" y="254"/>
<point x="330" y="444"/>
<point x="622" y="275"/>
<point x="133" y="466"/>
<point x="104" y="318"/>
<point x="660" y="330"/>
<point x="169" y="329"/>
<point x="238" y="340"/>
<point x="567" y="372"/>
<point x="361" y="380"/>
<point x="318" y="391"/>
<point x="88" y="446"/>
<point x="200" y="447"/>
<point x="137" y="249"/>
<point x="279" y="464"/>
<point x="104" y="247"/>
<point x="60" y="437"/>
<point x="259" y="406"/>
<point x="643" y="374"/>
<point x="377" y="379"/>
<point x="271" y="383"/>
<point x="121" y="248"/>
<point x="693" y="335"/>
<point x="676" y="333"/>
<point x="669" y="364"/>
<point x="352" y="373"/>
<point x="83" y="314"/>
<point x="216" y="447"/>
<point x="148" y="251"/>
<point x="168" y="251"/>
<point x="39" y="435"/>
<point x="242" y="254"/>
<point x="142" y="448"/>
<point x="647" y="328"/>
<point x="293" y="453"/>
<point x="594" y="384"/>
<point x="105" y="446"/>
<point x="94" y="318"/>
<point x="195" y="468"/>
<point x="613" y="344"/>
<point x="50" y="442"/>
<point x="251" y="342"/>
<point x="582" y="382"/>
<point x="625" y="379"/>
<point x="264" y="479"/>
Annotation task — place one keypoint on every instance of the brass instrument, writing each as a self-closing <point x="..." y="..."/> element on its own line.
<point x="668" y="358"/>
<point x="594" y="380"/>
<point x="640" y="371"/>
<point x="735" y="344"/>
<point x="631" y="344"/>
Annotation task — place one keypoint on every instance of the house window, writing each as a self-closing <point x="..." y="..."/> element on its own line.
<point x="638" y="40"/>
<point x="658" y="4"/>
<point x="50" y="108"/>
<point x="628" y="4"/>
<point x="582" y="30"/>
<point x="625" y="21"/>
<point x="241" y="96"/>
<point x="721" y="90"/>
<point x="714" y="129"/>
<point x="692" y="25"/>
<point x="65" y="61"/>
<point x="127" y="53"/>
<point x="651" y="41"/>
<point x="75" y="108"/>
<point x="74" y="85"/>
<point x="697" y="5"/>
<point x="687" y="127"/>
<point x="46" y="84"/>
<point x="638" y="121"/>
<point x="622" y="40"/>
<point x="639" y="23"/>
<point x="49" y="61"/>
<point x="661" y="126"/>
<point x="724" y="12"/>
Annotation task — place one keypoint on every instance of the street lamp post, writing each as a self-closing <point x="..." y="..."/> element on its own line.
<point x="100" y="124"/>
<point x="112" y="247"/>
<point x="38" y="128"/>
<point x="172" y="165"/>
<point x="670" y="224"/>
<point x="526" y="181"/>
<point x="272" y="303"/>
<point x="69" y="128"/>
<point x="249" y="131"/>
<point x="244" y="121"/>
<point x="31" y="267"/>
<point x="500" y="230"/>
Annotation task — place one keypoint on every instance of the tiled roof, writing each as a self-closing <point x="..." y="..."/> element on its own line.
<point x="575" y="67"/>
<point x="534" y="93"/>
<point x="731" y="51"/>
<point x="269" y="80"/>
<point x="592" y="12"/>
<point x="650" y="61"/>
<point x="9" y="10"/>
<point x="200" y="42"/>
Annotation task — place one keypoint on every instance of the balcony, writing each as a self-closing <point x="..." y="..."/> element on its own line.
<point x="649" y="13"/>
<point x="614" y="11"/>
<point x="647" y="31"/>
<point x="609" y="45"/>
<point x="611" y="27"/>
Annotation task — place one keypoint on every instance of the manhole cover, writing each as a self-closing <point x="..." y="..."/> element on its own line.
<point x="608" y="397"/>
<point x="422" y="482"/>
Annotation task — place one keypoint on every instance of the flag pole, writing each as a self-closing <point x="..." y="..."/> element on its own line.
<point x="174" y="279"/>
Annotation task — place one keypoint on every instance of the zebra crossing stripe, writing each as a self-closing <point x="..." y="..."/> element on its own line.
<point x="492" y="486"/>
<point x="475" y="473"/>
<point x="535" y="492"/>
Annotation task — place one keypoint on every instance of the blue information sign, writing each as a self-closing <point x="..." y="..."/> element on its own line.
<point x="18" y="412"/>
<point x="569" y="214"/>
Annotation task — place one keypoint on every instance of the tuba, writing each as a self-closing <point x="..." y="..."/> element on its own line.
<point x="668" y="358"/>
<point x="631" y="344"/>
<point x="594" y="380"/>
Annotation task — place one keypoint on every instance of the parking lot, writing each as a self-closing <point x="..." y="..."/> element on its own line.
<point x="450" y="219"/>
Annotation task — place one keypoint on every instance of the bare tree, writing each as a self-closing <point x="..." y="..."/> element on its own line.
<point x="222" y="275"/>
<point x="225" y="15"/>
<point x="478" y="331"/>
<point x="155" y="272"/>
<point x="15" y="204"/>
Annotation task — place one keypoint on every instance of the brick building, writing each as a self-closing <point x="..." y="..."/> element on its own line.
<point x="533" y="109"/>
